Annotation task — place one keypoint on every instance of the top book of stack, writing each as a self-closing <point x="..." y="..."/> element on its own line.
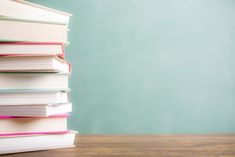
<point x="25" y="21"/>
<point x="22" y="10"/>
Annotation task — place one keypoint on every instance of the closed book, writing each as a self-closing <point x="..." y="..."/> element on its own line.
<point x="39" y="110"/>
<point x="11" y="126"/>
<point x="32" y="49"/>
<point x="16" y="144"/>
<point x="33" y="97"/>
<point x="19" y="9"/>
<point x="32" y="31"/>
<point x="33" y="64"/>
<point x="31" y="81"/>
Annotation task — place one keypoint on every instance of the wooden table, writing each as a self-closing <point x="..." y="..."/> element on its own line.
<point x="145" y="146"/>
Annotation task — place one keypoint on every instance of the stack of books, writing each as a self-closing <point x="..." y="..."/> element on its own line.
<point x="34" y="92"/>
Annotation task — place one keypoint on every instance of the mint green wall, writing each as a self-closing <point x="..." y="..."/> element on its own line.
<point x="151" y="66"/>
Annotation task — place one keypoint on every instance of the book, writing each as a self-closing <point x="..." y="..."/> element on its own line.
<point x="12" y="126"/>
<point x="33" y="97"/>
<point x="32" y="31"/>
<point x="19" y="9"/>
<point x="32" y="49"/>
<point x="33" y="64"/>
<point x="31" y="81"/>
<point x="39" y="110"/>
<point x="16" y="144"/>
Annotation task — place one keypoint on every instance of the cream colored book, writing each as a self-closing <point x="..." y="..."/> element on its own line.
<point x="39" y="110"/>
<point x="11" y="30"/>
<point x="16" y="144"/>
<point x="31" y="81"/>
<point x="33" y="64"/>
<point x="32" y="97"/>
<point x="23" y="10"/>
<point x="31" y="49"/>
<point x="12" y="126"/>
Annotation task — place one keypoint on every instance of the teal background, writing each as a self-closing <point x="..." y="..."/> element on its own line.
<point x="151" y="66"/>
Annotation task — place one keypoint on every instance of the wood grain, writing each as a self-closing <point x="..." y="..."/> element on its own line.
<point x="145" y="146"/>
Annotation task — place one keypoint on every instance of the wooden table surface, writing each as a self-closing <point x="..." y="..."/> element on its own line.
<point x="145" y="146"/>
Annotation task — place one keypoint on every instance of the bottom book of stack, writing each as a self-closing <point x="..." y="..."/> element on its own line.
<point x="21" y="134"/>
<point x="24" y="143"/>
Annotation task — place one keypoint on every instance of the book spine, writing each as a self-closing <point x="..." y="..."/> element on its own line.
<point x="34" y="133"/>
<point x="52" y="116"/>
<point x="33" y="43"/>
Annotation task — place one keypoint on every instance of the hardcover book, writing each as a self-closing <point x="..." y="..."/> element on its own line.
<point x="40" y="81"/>
<point x="24" y="143"/>
<point x="32" y="49"/>
<point x="12" y="126"/>
<point x="40" y="110"/>
<point x="23" y="10"/>
<point x="33" y="64"/>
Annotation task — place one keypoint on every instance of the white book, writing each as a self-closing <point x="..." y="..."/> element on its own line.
<point x="33" y="64"/>
<point x="28" y="81"/>
<point x="44" y="110"/>
<point x="19" y="9"/>
<point x="32" y="97"/>
<point x="18" y="144"/>
<point x="11" y="126"/>
<point x="32" y="48"/>
<point x="31" y="31"/>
